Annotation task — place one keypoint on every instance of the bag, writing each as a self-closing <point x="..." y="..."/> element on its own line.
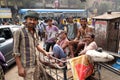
<point x="82" y="67"/>
<point x="99" y="56"/>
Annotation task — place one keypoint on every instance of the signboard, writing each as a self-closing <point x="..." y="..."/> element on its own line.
<point x="56" y="4"/>
<point x="5" y="13"/>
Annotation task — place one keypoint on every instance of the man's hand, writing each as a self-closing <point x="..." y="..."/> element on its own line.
<point x="49" y="54"/>
<point x="21" y="72"/>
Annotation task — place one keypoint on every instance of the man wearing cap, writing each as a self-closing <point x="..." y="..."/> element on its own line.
<point x="26" y="41"/>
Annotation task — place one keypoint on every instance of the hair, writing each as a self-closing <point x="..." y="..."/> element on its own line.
<point x="31" y="14"/>
<point x="45" y="20"/>
<point x="70" y="17"/>
<point x="84" y="19"/>
<point x="49" y="19"/>
<point x="92" y="35"/>
<point x="62" y="31"/>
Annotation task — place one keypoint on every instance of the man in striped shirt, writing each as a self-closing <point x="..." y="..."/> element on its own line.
<point x="26" y="42"/>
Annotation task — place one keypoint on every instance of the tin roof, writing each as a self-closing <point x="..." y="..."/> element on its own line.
<point x="107" y="16"/>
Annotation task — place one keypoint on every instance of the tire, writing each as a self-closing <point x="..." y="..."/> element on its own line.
<point x="2" y="75"/>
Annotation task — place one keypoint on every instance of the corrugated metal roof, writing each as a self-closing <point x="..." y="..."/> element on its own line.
<point x="107" y="16"/>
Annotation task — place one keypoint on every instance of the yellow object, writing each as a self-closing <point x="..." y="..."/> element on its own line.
<point x="81" y="66"/>
<point x="77" y="19"/>
<point x="89" y="20"/>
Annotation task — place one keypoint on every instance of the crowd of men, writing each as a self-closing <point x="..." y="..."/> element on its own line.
<point x="74" y="39"/>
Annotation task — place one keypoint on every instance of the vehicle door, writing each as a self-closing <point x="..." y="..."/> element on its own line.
<point x="6" y="47"/>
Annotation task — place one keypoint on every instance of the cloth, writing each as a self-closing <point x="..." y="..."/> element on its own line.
<point x="58" y="51"/>
<point x="29" y="73"/>
<point x="72" y="31"/>
<point x="25" y="46"/>
<point x="48" y="45"/>
<point x="62" y="42"/>
<point x="51" y="33"/>
<point x="91" y="46"/>
<point x="99" y="56"/>
<point x="41" y="27"/>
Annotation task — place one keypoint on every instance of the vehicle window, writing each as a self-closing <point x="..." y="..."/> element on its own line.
<point x="6" y="33"/>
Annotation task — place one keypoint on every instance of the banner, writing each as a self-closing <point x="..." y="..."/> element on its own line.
<point x="5" y="13"/>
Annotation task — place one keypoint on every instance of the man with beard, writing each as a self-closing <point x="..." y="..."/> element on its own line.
<point x="77" y="42"/>
<point x="25" y="46"/>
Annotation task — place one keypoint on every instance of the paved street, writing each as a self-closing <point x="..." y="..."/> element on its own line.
<point x="12" y="74"/>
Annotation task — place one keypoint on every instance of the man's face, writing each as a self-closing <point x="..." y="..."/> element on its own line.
<point x="83" y="23"/>
<point x="31" y="22"/>
<point x="62" y="36"/>
<point x="88" y="39"/>
<point x="49" y="22"/>
<point x="70" y="19"/>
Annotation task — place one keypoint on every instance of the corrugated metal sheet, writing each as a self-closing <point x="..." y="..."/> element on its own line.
<point x="107" y="16"/>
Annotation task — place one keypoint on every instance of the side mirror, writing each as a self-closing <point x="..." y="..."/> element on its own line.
<point x="2" y="40"/>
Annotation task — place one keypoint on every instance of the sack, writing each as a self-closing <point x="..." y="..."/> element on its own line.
<point x="99" y="56"/>
<point x="82" y="67"/>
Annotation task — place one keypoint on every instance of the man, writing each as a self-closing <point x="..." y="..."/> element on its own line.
<point x="72" y="29"/>
<point x="89" y="43"/>
<point x="83" y="30"/>
<point x="60" y="49"/>
<point x="26" y="41"/>
<point x="51" y="31"/>
<point x="42" y="27"/>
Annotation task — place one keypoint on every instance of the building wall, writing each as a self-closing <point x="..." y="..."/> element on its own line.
<point x="40" y="3"/>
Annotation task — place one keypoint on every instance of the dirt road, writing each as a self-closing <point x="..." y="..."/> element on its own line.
<point x="12" y="74"/>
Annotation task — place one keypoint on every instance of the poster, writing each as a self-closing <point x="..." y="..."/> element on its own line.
<point x="100" y="32"/>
